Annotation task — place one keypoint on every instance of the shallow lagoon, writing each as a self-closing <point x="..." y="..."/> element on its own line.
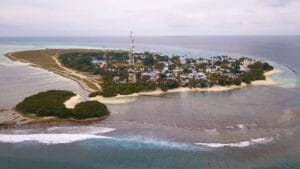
<point x="161" y="131"/>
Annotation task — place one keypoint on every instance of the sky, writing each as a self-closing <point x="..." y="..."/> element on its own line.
<point x="148" y="17"/>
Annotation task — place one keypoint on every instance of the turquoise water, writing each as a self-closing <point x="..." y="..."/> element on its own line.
<point x="94" y="154"/>
<point x="259" y="124"/>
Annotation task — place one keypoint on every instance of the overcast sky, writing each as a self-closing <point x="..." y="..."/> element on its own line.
<point x="151" y="17"/>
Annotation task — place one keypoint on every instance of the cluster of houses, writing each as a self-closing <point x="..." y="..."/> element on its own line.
<point x="187" y="69"/>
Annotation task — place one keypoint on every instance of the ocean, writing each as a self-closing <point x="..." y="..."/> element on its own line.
<point x="255" y="127"/>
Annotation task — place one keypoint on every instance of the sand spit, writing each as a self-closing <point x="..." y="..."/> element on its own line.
<point x="268" y="80"/>
<point x="70" y="104"/>
<point x="120" y="99"/>
<point x="48" y="60"/>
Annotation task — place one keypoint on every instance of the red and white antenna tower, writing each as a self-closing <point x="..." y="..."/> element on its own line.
<point x="131" y="69"/>
<point x="131" y="51"/>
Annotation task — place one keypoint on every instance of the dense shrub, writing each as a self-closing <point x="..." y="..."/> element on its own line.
<point x="94" y="94"/>
<point x="261" y="66"/>
<point x="48" y="103"/>
<point x="51" y="103"/>
<point x="237" y="81"/>
<point x="89" y="109"/>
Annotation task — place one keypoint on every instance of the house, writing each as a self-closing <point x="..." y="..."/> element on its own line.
<point x="244" y="69"/>
<point x="170" y="76"/>
<point x="218" y="68"/>
<point x="209" y="70"/>
<point x="96" y="62"/>
<point x="116" y="79"/>
<point x="183" y="60"/>
<point x="247" y="62"/>
<point x="177" y="71"/>
<point x="166" y="66"/>
<point x="153" y="76"/>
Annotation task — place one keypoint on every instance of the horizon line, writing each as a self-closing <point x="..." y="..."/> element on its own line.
<point x="199" y="35"/>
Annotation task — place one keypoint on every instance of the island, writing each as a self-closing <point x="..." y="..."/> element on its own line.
<point x="52" y="104"/>
<point x="111" y="72"/>
<point x="119" y="76"/>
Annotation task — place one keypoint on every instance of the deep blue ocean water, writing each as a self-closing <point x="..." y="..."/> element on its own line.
<point x="160" y="132"/>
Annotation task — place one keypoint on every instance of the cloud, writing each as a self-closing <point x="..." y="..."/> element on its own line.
<point x="155" y="17"/>
<point x="279" y="3"/>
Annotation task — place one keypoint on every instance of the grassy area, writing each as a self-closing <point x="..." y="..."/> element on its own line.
<point x="42" y="58"/>
<point x="90" y="85"/>
<point x="45" y="59"/>
<point x="51" y="103"/>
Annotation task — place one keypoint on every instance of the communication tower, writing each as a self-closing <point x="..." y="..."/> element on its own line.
<point x="131" y="66"/>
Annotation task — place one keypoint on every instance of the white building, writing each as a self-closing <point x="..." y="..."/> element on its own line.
<point x="182" y="60"/>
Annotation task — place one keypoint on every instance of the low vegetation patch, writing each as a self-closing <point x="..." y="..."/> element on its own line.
<point x="51" y="103"/>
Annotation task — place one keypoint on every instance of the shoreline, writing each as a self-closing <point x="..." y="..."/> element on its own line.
<point x="78" y="77"/>
<point x="121" y="99"/>
<point x="21" y="119"/>
<point x="82" y="79"/>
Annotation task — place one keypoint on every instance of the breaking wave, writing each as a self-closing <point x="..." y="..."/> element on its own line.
<point x="56" y="135"/>
<point x="239" y="144"/>
<point x="127" y="142"/>
<point x="137" y="142"/>
<point x="81" y="129"/>
<point x="47" y="138"/>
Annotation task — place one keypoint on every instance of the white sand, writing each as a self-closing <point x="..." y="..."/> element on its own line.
<point x="71" y="103"/>
<point x="71" y="72"/>
<point x="269" y="80"/>
<point x="120" y="99"/>
<point x="115" y="100"/>
<point x="10" y="116"/>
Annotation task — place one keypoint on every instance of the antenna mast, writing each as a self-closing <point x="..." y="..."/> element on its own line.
<point x="131" y="68"/>
<point x="131" y="51"/>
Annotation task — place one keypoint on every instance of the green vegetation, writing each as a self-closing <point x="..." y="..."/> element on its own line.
<point x="83" y="61"/>
<point x="113" y="89"/>
<point x="89" y="109"/>
<point x="256" y="72"/>
<point x="51" y="103"/>
<point x="110" y="88"/>
<point x="46" y="59"/>
<point x="158" y="71"/>
<point x="153" y="71"/>
<point x="79" y="61"/>
<point x="168" y="84"/>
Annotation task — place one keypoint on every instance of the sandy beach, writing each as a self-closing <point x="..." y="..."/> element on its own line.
<point x="48" y="59"/>
<point x="269" y="80"/>
<point x="70" y="104"/>
<point x="11" y="118"/>
<point x="121" y="99"/>
<point x="7" y="118"/>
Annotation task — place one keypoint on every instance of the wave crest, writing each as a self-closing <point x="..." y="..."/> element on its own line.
<point x="239" y="144"/>
<point x="47" y="138"/>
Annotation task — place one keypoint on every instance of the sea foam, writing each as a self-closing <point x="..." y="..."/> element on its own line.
<point x="47" y="138"/>
<point x="135" y="142"/>
<point x="56" y="135"/>
<point x="239" y="144"/>
<point x="81" y="129"/>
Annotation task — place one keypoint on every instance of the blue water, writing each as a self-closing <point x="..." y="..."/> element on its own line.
<point x="160" y="132"/>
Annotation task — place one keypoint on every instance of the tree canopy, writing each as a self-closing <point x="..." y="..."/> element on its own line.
<point x="51" y="103"/>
